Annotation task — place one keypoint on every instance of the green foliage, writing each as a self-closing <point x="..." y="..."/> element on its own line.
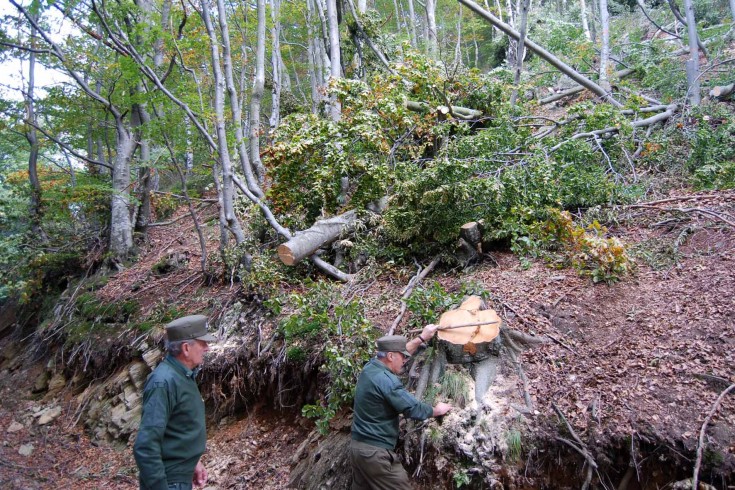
<point x="426" y="303"/>
<point x="461" y="477"/>
<point x="712" y="157"/>
<point x="564" y="244"/>
<point x="336" y="330"/>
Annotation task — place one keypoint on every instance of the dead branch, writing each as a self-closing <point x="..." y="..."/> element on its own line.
<point x="415" y="280"/>
<point x="703" y="430"/>
<point x="524" y="379"/>
<point x="643" y="9"/>
<point x="680" y="18"/>
<point x="686" y="210"/>
<point x="580" y="447"/>
<point x="575" y="90"/>
<point x="681" y="198"/>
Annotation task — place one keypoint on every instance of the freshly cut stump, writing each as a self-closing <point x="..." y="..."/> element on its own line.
<point x="476" y="346"/>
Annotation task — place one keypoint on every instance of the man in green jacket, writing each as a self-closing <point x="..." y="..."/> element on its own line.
<point x="172" y="436"/>
<point x="380" y="398"/>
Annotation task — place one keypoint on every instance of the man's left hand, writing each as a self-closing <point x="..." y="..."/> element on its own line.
<point x="200" y="475"/>
<point x="429" y="331"/>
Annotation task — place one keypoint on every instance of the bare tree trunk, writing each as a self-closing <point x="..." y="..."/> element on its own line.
<point x="257" y="97"/>
<point x="32" y="138"/>
<point x="335" y="108"/>
<point x="312" y="51"/>
<point x="585" y="23"/>
<point x="543" y="53"/>
<point x="431" y="37"/>
<point x="458" y="45"/>
<point x="692" y="65"/>
<point x="235" y="108"/>
<point x="521" y="50"/>
<point x="605" y="45"/>
<point x="276" y="64"/>
<point x="141" y="119"/>
<point x="412" y="23"/>
<point x="228" y="219"/>
<point x="121" y="229"/>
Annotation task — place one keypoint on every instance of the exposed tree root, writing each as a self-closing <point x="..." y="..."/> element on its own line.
<point x="703" y="430"/>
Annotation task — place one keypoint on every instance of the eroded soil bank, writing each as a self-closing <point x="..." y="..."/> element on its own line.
<point x="634" y="368"/>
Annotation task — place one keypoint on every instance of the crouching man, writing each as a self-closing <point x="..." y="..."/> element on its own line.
<point x="380" y="398"/>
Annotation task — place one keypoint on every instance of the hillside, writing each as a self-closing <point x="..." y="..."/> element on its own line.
<point x="634" y="367"/>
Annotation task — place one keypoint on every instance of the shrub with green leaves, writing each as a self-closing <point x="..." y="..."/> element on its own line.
<point x="564" y="244"/>
<point x="712" y="157"/>
<point x="324" y="324"/>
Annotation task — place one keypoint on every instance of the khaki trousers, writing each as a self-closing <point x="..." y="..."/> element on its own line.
<point x="376" y="468"/>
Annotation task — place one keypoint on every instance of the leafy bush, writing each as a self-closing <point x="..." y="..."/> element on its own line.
<point x="712" y="158"/>
<point x="322" y="322"/>
<point x="565" y="244"/>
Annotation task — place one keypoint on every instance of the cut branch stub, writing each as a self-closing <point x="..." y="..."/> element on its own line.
<point x="305" y="243"/>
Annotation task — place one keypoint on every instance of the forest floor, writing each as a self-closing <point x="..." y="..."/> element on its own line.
<point x="635" y="367"/>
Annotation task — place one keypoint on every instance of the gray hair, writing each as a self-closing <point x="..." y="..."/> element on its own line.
<point x="174" y="348"/>
<point x="380" y="354"/>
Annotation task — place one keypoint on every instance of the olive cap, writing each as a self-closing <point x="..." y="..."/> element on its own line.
<point x="188" y="328"/>
<point x="393" y="343"/>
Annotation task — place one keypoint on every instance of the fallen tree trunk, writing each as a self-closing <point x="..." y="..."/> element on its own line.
<point x="722" y="92"/>
<point x="305" y="243"/>
<point x="543" y="53"/>
<point x="462" y="112"/>
<point x="575" y="90"/>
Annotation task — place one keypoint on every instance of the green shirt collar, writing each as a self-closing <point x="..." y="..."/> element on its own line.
<point x="189" y="373"/>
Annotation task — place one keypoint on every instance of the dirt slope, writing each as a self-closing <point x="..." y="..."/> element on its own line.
<point x="635" y="367"/>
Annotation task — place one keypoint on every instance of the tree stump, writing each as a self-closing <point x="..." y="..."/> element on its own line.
<point x="477" y="346"/>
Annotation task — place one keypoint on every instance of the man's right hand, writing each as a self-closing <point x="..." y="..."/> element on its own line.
<point x="441" y="408"/>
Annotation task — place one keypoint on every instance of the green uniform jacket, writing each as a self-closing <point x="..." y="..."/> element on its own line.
<point x="172" y="435"/>
<point x="379" y="399"/>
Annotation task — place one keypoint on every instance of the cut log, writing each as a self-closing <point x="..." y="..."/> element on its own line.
<point x="722" y="92"/>
<point x="305" y="243"/>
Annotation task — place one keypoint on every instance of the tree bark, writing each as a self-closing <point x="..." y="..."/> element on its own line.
<point x="585" y="22"/>
<point x="234" y="100"/>
<point x="604" y="45"/>
<point x="314" y="63"/>
<point x="521" y="49"/>
<point x="121" y="229"/>
<point x="431" y="35"/>
<point x="305" y="243"/>
<point x="692" y="65"/>
<point x="335" y="108"/>
<point x="543" y="53"/>
<point x="458" y="45"/>
<point x="412" y="23"/>
<point x="228" y="218"/>
<point x="257" y="96"/>
<point x="276" y="64"/>
<point x="31" y="136"/>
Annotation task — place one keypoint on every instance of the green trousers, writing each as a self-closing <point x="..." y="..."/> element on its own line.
<point x="375" y="468"/>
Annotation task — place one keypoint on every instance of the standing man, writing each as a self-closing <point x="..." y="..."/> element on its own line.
<point x="172" y="434"/>
<point x="379" y="399"/>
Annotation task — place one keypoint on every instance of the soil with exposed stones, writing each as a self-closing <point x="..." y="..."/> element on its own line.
<point x="635" y="367"/>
